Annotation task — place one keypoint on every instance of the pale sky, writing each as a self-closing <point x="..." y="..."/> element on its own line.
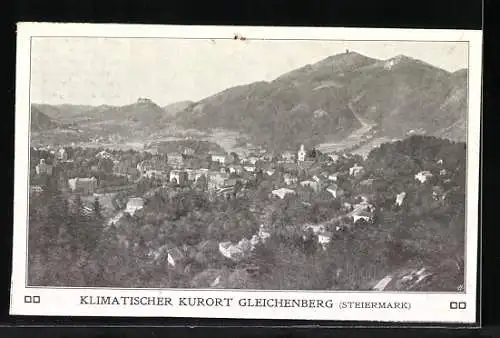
<point x="116" y="71"/>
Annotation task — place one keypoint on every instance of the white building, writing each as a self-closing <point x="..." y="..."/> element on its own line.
<point x="154" y="173"/>
<point x="400" y="198"/>
<point x="236" y="169"/>
<point x="270" y="172"/>
<point x="333" y="177"/>
<point x="362" y="215"/>
<point x="324" y="239"/>
<point x="315" y="228"/>
<point x="178" y="176"/>
<point x="175" y="160"/>
<point x="83" y="185"/>
<point x="251" y="160"/>
<point x="43" y="168"/>
<point x="264" y="233"/>
<point x="175" y="256"/>
<point x="367" y="182"/>
<point x="249" y="168"/>
<point x="355" y="170"/>
<point x="134" y="204"/>
<point x="301" y="154"/>
<point x="228" y="250"/>
<point x="200" y="173"/>
<point x="334" y="157"/>
<point x="218" y="158"/>
<point x="188" y="151"/>
<point x="423" y="176"/>
<point x="103" y="154"/>
<point x="62" y="154"/>
<point x="254" y="240"/>
<point x="288" y="157"/>
<point x="312" y="184"/>
<point x="335" y="191"/>
<point x="36" y="189"/>
<point x="216" y="180"/>
<point x="282" y="192"/>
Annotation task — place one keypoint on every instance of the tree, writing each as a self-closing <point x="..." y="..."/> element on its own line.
<point x="78" y="208"/>
<point x="97" y="208"/>
<point x="235" y="158"/>
<point x="237" y="187"/>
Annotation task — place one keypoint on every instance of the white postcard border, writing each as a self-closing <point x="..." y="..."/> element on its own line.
<point x="423" y="307"/>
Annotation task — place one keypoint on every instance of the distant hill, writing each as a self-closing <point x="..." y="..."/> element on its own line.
<point x="66" y="113"/>
<point x="456" y="102"/>
<point x="143" y="111"/>
<point x="173" y="108"/>
<point x="403" y="94"/>
<point x="335" y="96"/>
<point x="40" y="121"/>
<point x="140" y="114"/>
<point x="343" y="95"/>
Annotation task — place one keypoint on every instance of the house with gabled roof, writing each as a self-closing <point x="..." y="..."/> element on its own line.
<point x="400" y="198"/>
<point x="282" y="192"/>
<point x="288" y="156"/>
<point x="333" y="157"/>
<point x="312" y="184"/>
<point x="356" y="170"/>
<point x="175" y="256"/>
<point x="43" y="168"/>
<point x="134" y="204"/>
<point x="333" y="177"/>
<point x="325" y="238"/>
<point x="423" y="176"/>
<point x="231" y="251"/>
<point x="335" y="190"/>
<point x="84" y="185"/>
<point x="362" y="215"/>
<point x="179" y="176"/>
<point x="314" y="228"/>
<point x="220" y="158"/>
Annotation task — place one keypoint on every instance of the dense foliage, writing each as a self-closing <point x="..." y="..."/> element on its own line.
<point x="71" y="247"/>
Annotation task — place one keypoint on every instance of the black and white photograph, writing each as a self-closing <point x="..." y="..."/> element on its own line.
<point x="250" y="164"/>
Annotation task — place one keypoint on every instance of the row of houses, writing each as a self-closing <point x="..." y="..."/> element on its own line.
<point x="176" y="256"/>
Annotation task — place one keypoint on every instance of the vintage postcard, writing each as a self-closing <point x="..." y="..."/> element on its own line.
<point x="247" y="172"/>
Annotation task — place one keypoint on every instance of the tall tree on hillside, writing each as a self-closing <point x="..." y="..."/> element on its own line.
<point x="97" y="208"/>
<point x="237" y="187"/>
<point x="78" y="208"/>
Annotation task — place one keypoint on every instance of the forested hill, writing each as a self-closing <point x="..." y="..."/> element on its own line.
<point x="336" y="96"/>
<point x="419" y="153"/>
<point x="40" y="121"/>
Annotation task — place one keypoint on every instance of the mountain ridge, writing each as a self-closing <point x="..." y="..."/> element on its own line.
<point x="320" y="102"/>
<point x="398" y="95"/>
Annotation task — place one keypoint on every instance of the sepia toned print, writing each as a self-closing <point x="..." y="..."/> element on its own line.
<point x="343" y="168"/>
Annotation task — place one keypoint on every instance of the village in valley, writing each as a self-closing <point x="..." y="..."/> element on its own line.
<point x="262" y="219"/>
<point x="346" y="172"/>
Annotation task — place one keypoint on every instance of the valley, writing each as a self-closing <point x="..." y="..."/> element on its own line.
<point x="346" y="102"/>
